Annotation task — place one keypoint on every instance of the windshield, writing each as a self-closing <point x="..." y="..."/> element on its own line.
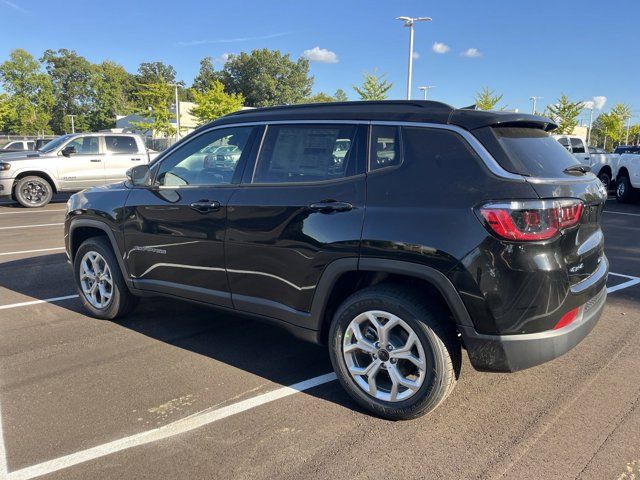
<point x="54" y="144"/>
<point x="534" y="151"/>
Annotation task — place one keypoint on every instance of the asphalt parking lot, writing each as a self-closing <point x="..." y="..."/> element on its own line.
<point x="180" y="391"/>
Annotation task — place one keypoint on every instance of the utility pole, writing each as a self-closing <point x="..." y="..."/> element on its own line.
<point x="590" y="125"/>
<point x="534" y="100"/>
<point x="176" y="85"/>
<point x="73" y="126"/>
<point x="408" y="22"/>
<point x="425" y="89"/>
<point x="626" y="140"/>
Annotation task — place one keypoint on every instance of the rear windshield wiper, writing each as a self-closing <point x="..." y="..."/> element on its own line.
<point x="573" y="169"/>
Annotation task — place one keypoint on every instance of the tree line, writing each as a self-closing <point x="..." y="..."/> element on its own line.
<point x="41" y="95"/>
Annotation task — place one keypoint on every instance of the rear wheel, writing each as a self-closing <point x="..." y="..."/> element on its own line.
<point x="33" y="192"/>
<point x="395" y="354"/>
<point x="624" y="192"/>
<point x="605" y="178"/>
<point x="99" y="280"/>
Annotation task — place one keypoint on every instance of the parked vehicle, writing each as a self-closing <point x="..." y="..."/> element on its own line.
<point x="602" y="164"/>
<point x="17" y="146"/>
<point x="627" y="149"/>
<point x="438" y="229"/>
<point x="628" y="177"/>
<point x="70" y="163"/>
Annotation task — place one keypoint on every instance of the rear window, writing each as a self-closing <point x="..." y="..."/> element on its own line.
<point x="120" y="144"/>
<point x="533" y="152"/>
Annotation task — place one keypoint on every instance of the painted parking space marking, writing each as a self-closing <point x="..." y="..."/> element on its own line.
<point x="631" y="281"/>
<point x="178" y="427"/>
<point x="36" y="302"/>
<point x="623" y="213"/>
<point x="32" y="226"/>
<point x="33" y="211"/>
<point x="32" y="251"/>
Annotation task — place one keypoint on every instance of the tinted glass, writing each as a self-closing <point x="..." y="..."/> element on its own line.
<point x="577" y="146"/>
<point x="84" y="145"/>
<point x="307" y="153"/>
<point x="31" y="145"/>
<point x="564" y="141"/>
<point x="14" y="145"/>
<point x="54" y="144"/>
<point x="199" y="163"/>
<point x="120" y="144"/>
<point x="385" y="147"/>
<point x="533" y="151"/>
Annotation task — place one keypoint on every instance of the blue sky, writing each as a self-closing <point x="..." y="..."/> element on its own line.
<point x="523" y="48"/>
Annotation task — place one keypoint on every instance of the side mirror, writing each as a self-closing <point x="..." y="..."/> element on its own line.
<point x="68" y="151"/>
<point x="139" y="176"/>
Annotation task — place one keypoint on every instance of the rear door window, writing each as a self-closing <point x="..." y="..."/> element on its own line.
<point x="577" y="146"/>
<point x="121" y="144"/>
<point x="534" y="152"/>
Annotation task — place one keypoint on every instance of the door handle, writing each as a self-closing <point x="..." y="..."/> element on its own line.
<point x="328" y="206"/>
<point x="135" y="159"/>
<point x="204" y="206"/>
<point x="95" y="160"/>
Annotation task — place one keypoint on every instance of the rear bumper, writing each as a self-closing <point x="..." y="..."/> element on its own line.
<point x="510" y="353"/>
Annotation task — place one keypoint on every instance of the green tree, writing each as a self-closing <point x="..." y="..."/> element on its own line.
<point x="206" y="77"/>
<point x="215" y="103"/>
<point x="72" y="77"/>
<point x="30" y="94"/>
<point x="374" y="87"/>
<point x="6" y="112"/>
<point x="319" y="97"/>
<point x="267" y="77"/>
<point x="488" y="99"/>
<point x="565" y="113"/>
<point x="113" y="94"/>
<point x="612" y="126"/>
<point x="156" y="99"/>
<point x="340" y="96"/>
<point x="156" y="72"/>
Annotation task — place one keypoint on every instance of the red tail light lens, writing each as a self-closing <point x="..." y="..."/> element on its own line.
<point x="567" y="318"/>
<point x="531" y="220"/>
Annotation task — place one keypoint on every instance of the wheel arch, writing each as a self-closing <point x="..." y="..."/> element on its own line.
<point x="343" y="277"/>
<point x="36" y="173"/>
<point x="623" y="172"/>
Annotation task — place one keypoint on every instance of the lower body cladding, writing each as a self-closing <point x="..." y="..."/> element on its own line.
<point x="510" y="353"/>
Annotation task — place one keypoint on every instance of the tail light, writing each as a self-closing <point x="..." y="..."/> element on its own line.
<point x="531" y="220"/>
<point x="567" y="318"/>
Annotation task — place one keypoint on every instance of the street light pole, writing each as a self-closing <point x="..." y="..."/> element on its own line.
<point x="73" y="126"/>
<point x="176" y="85"/>
<point x="534" y="100"/>
<point x="425" y="89"/>
<point x="408" y="22"/>
<point x="626" y="140"/>
<point x="590" y="126"/>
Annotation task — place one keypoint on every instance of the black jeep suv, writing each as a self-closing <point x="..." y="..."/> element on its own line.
<point x="398" y="233"/>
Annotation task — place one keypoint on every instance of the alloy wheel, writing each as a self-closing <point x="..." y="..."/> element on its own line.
<point x="34" y="192"/>
<point x="384" y="356"/>
<point x="96" y="280"/>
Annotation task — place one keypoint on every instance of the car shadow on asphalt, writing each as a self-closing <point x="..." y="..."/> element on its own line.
<point x="256" y="347"/>
<point x="58" y="198"/>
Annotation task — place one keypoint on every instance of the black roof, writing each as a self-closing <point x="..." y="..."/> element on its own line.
<point x="390" y="110"/>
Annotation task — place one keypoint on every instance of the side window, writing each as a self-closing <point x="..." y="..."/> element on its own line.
<point x="577" y="146"/>
<point x="385" y="147"/>
<point x="85" y="145"/>
<point x="120" y="144"/>
<point x="31" y="145"/>
<point x="308" y="153"/>
<point x="210" y="159"/>
<point x="16" y="145"/>
<point x="564" y="141"/>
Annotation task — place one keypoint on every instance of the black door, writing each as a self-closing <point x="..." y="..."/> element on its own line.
<point x="300" y="208"/>
<point x="174" y="231"/>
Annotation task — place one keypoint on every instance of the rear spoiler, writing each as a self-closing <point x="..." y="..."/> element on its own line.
<point x="470" y="118"/>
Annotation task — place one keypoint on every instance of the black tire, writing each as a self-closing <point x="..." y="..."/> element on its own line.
<point x="624" y="190"/>
<point x="605" y="178"/>
<point x="122" y="301"/>
<point x="33" y="191"/>
<point x="435" y="331"/>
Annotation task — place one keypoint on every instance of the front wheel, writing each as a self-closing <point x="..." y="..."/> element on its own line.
<point x="396" y="354"/>
<point x="99" y="280"/>
<point x="605" y="179"/>
<point x="33" y="192"/>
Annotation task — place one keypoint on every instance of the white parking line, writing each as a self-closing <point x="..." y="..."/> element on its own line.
<point x="629" y="283"/>
<point x="4" y="469"/>
<point x="36" y="302"/>
<point x="33" y="211"/>
<point x="32" y="251"/>
<point x="623" y="213"/>
<point x="184" y="425"/>
<point x="32" y="226"/>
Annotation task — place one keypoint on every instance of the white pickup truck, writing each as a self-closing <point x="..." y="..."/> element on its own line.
<point x="627" y="175"/>
<point x="70" y="163"/>
<point x="603" y="164"/>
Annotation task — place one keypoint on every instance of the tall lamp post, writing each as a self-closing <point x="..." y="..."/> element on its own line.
<point x="425" y="89"/>
<point x="176" y="85"/>
<point x="590" y="105"/>
<point x="534" y="101"/>
<point x="73" y="125"/>
<point x="408" y="22"/>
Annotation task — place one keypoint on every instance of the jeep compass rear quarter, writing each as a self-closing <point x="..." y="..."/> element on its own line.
<point x="397" y="233"/>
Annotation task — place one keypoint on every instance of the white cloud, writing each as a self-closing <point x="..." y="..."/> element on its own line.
<point x="598" y="102"/>
<point x="195" y="43"/>
<point x="223" y="58"/>
<point x="416" y="55"/>
<point x="439" y="47"/>
<point x="321" y="55"/>
<point x="471" y="53"/>
<point x="14" y="6"/>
